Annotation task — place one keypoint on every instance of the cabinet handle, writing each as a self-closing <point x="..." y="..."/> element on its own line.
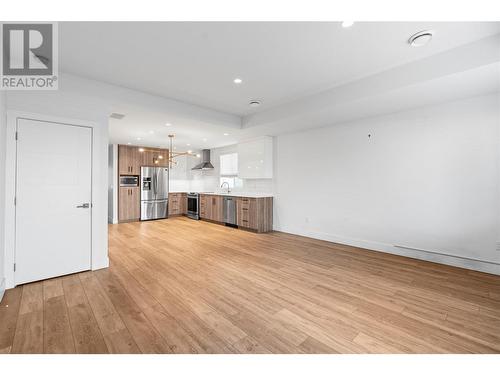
<point x="245" y="221"/>
<point x="245" y="209"/>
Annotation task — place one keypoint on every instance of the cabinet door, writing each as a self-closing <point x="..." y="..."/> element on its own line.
<point x="124" y="166"/>
<point x="146" y="158"/>
<point x="255" y="158"/>
<point x="135" y="160"/>
<point x="205" y="207"/>
<point x="217" y="203"/>
<point x="183" y="204"/>
<point x="129" y="204"/>
<point x="135" y="203"/>
<point x="163" y="158"/>
<point x="129" y="160"/>
<point x="155" y="157"/>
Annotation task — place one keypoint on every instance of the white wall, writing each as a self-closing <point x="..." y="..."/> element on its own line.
<point x="69" y="103"/>
<point x="3" y="125"/>
<point x="426" y="179"/>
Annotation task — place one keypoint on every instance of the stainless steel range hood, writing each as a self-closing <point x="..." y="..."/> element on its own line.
<point x="205" y="161"/>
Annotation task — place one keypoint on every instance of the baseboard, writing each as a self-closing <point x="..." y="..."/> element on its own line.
<point x="427" y="255"/>
<point x="112" y="220"/>
<point x="2" y="288"/>
<point x="103" y="264"/>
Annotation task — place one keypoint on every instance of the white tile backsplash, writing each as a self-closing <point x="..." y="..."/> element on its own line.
<point x="182" y="178"/>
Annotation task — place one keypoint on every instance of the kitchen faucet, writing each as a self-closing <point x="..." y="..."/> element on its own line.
<point x="225" y="182"/>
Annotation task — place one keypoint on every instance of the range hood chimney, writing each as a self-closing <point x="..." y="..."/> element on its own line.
<point x="205" y="161"/>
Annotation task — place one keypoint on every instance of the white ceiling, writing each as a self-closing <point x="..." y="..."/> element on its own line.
<point x="281" y="64"/>
<point x="196" y="62"/>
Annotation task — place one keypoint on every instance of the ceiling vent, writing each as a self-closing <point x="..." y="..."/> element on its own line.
<point x="117" y="116"/>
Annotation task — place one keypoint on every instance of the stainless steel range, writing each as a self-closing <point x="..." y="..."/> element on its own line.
<point x="193" y="205"/>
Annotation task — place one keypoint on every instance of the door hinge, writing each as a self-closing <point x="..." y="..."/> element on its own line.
<point x="14" y="267"/>
<point x="15" y="201"/>
<point x="17" y="137"/>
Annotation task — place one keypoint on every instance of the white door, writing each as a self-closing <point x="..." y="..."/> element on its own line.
<point x="53" y="200"/>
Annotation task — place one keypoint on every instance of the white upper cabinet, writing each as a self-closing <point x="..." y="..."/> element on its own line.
<point x="255" y="158"/>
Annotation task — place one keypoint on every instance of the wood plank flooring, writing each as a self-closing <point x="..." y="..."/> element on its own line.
<point x="185" y="286"/>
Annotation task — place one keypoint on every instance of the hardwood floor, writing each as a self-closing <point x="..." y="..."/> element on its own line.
<point x="184" y="286"/>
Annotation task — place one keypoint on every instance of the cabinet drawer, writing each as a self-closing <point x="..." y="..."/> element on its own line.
<point x="245" y="223"/>
<point x="247" y="202"/>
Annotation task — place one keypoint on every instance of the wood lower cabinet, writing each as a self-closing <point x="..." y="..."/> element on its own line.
<point x="177" y="203"/>
<point x="129" y="208"/>
<point x="255" y="213"/>
<point x="211" y="207"/>
<point x="217" y="207"/>
<point x="205" y="207"/>
<point x="251" y="213"/>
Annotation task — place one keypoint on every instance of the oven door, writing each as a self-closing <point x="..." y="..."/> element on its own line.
<point x="192" y="206"/>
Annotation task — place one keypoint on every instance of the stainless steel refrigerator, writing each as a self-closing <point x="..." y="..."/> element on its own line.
<point x="154" y="193"/>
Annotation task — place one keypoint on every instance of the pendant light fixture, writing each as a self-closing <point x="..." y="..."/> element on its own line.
<point x="172" y="154"/>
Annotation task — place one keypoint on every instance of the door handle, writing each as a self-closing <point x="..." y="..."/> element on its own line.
<point x="84" y="205"/>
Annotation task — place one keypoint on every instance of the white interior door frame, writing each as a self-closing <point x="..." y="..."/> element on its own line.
<point x="10" y="184"/>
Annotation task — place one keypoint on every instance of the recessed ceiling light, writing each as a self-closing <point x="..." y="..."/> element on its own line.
<point x="129" y="143"/>
<point x="168" y="124"/>
<point x="237" y="81"/>
<point x="188" y="144"/>
<point x="226" y="133"/>
<point x="189" y="151"/>
<point x="151" y="132"/>
<point x="204" y="139"/>
<point x="254" y="103"/>
<point x="421" y="38"/>
<point x="347" y="23"/>
<point x="139" y="139"/>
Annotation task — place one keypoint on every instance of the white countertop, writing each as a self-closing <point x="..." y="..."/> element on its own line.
<point x="243" y="194"/>
<point x="233" y="194"/>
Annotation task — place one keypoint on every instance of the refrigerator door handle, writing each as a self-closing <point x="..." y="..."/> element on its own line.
<point x="154" y="184"/>
<point x="156" y="187"/>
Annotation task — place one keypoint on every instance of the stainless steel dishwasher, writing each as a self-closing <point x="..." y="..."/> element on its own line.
<point x="229" y="208"/>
